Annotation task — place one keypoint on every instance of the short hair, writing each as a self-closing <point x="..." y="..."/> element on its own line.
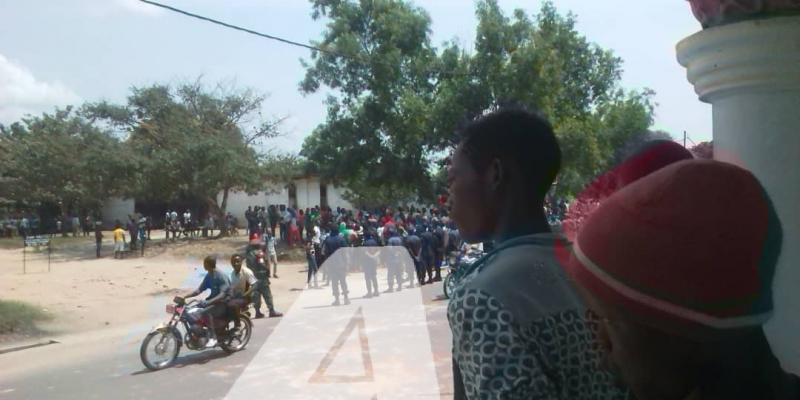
<point x="521" y="140"/>
<point x="210" y="260"/>
<point x="235" y="257"/>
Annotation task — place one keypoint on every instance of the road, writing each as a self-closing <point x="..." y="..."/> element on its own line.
<point x="394" y="346"/>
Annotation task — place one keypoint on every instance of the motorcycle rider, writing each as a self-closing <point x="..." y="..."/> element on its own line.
<point x="243" y="281"/>
<point x="214" y="305"/>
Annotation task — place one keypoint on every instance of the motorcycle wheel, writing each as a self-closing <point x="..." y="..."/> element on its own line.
<point x="161" y="343"/>
<point x="449" y="285"/>
<point x="237" y="340"/>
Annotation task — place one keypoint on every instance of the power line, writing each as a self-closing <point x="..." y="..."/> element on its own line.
<point x="238" y="28"/>
<point x="279" y="39"/>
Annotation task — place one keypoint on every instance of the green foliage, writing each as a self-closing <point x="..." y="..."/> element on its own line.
<point x="283" y="168"/>
<point x="192" y="142"/>
<point x="61" y="158"/>
<point x="378" y="68"/>
<point x="542" y="63"/>
<point x="396" y="103"/>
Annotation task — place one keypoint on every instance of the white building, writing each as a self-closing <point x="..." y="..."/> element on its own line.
<point x="304" y="192"/>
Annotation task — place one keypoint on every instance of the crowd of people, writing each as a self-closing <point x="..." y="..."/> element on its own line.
<point x="427" y="234"/>
<point x="24" y="224"/>
<point x="185" y="225"/>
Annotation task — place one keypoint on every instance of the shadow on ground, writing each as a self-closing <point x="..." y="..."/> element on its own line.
<point x="199" y="358"/>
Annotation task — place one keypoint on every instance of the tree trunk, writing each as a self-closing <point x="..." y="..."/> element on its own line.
<point x="220" y="210"/>
<point x="224" y="206"/>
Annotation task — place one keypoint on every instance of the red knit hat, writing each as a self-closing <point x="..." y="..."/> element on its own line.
<point x="651" y="157"/>
<point x="255" y="238"/>
<point x="695" y="242"/>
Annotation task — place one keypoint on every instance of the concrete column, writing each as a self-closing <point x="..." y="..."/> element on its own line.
<point x="750" y="72"/>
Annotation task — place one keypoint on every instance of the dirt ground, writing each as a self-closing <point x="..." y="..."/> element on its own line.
<point x="84" y="293"/>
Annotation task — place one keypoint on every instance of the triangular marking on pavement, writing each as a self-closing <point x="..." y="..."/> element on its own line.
<point x="320" y="376"/>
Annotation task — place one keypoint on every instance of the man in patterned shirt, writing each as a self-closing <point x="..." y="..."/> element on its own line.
<point x="518" y="326"/>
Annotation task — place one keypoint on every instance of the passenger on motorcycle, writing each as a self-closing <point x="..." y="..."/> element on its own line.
<point x="214" y="306"/>
<point x="242" y="283"/>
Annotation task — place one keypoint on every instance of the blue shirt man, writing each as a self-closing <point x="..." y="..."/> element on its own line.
<point x="216" y="282"/>
<point x="214" y="305"/>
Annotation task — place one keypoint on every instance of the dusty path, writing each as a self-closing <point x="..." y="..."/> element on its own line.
<point x="84" y="293"/>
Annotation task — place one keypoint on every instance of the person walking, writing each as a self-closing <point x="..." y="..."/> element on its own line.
<point x="24" y="227"/>
<point x="428" y="254"/>
<point x="301" y="223"/>
<point x="142" y="232"/>
<point x="337" y="267"/>
<point x="248" y="216"/>
<point x="76" y="225"/>
<point x="272" y="253"/>
<point x="119" y="241"/>
<point x="440" y="241"/>
<point x="396" y="264"/>
<point x="272" y="214"/>
<point x="149" y="226"/>
<point x="87" y="226"/>
<point x="255" y="262"/>
<point x="133" y="230"/>
<point x="98" y="237"/>
<point x="415" y="247"/>
<point x="311" y="260"/>
<point x="286" y="217"/>
<point x="369" y="263"/>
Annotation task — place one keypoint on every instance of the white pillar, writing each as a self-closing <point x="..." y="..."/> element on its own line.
<point x="750" y="72"/>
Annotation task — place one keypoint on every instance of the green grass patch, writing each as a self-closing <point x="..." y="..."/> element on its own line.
<point x="18" y="317"/>
<point x="10" y="243"/>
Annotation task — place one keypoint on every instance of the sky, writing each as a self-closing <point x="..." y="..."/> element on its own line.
<point x="55" y="53"/>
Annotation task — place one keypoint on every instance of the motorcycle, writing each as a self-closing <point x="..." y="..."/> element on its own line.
<point x="161" y="346"/>
<point x="457" y="262"/>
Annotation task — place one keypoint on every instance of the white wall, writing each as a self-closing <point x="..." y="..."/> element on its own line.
<point x="239" y="201"/>
<point x="308" y="196"/>
<point x="277" y="195"/>
<point x="335" y="198"/>
<point x="308" y="192"/>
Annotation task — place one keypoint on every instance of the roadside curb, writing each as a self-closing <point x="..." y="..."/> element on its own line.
<point x="27" y="346"/>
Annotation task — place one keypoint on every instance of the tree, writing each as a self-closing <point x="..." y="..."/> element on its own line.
<point x="281" y="169"/>
<point x="377" y="65"/>
<point x="541" y="63"/>
<point x="62" y="159"/>
<point x="193" y="143"/>
<point x="397" y="104"/>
